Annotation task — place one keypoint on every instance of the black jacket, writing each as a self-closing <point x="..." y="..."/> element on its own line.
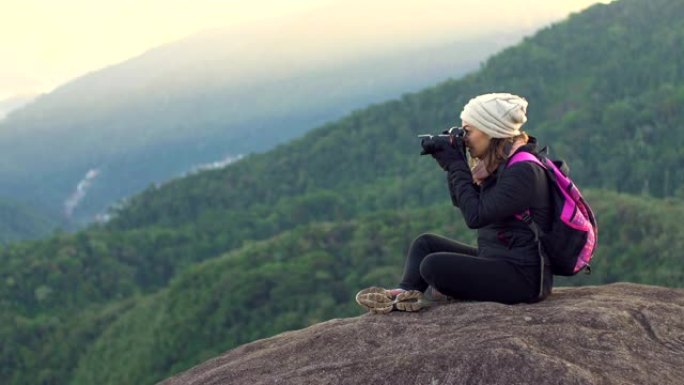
<point x="490" y="207"/>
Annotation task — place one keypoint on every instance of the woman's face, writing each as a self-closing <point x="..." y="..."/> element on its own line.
<point x="476" y="140"/>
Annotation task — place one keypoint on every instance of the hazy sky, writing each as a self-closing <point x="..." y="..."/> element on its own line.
<point x="44" y="43"/>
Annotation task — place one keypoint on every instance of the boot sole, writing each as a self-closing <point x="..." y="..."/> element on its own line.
<point x="411" y="300"/>
<point x="375" y="299"/>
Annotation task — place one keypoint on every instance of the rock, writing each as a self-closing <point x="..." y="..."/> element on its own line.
<point x="620" y="333"/>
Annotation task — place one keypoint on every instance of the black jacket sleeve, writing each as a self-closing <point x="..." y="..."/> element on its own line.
<point x="452" y="187"/>
<point x="511" y="194"/>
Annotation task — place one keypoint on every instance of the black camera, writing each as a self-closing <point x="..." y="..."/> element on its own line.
<point x="433" y="143"/>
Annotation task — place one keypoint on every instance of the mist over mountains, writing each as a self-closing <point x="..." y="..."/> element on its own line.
<point x="215" y="95"/>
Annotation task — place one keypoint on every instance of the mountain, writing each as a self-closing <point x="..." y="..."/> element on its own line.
<point x="13" y="103"/>
<point x="618" y="129"/>
<point x="201" y="264"/>
<point x="622" y="333"/>
<point x="215" y="95"/>
<point x="19" y="221"/>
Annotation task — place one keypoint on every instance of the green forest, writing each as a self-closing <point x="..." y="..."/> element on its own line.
<point x="283" y="239"/>
<point x="21" y="221"/>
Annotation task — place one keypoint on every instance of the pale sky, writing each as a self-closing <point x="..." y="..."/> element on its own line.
<point x="45" y="43"/>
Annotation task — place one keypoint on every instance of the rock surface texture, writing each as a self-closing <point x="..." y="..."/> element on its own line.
<point x="620" y="333"/>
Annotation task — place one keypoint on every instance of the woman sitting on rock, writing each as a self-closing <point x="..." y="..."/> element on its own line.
<point x="506" y="264"/>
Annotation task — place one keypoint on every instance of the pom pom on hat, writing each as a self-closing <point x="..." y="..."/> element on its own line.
<point x="499" y="115"/>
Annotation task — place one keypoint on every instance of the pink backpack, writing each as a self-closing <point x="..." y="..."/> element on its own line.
<point x="572" y="240"/>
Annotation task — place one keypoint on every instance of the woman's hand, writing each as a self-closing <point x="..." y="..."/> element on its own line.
<point x="447" y="153"/>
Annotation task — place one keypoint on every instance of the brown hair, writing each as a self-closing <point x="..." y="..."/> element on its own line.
<point x="496" y="152"/>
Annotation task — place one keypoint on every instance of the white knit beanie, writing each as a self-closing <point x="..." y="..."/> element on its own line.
<point x="499" y="115"/>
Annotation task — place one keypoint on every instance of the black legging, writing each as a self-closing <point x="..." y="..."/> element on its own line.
<point x="454" y="269"/>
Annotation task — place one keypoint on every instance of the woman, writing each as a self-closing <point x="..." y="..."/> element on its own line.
<point x="506" y="264"/>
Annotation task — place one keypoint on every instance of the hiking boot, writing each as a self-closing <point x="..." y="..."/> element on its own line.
<point x="381" y="301"/>
<point x="375" y="299"/>
<point x="410" y="300"/>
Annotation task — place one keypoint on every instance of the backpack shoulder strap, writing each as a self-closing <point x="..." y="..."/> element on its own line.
<point x="523" y="156"/>
<point x="520" y="156"/>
